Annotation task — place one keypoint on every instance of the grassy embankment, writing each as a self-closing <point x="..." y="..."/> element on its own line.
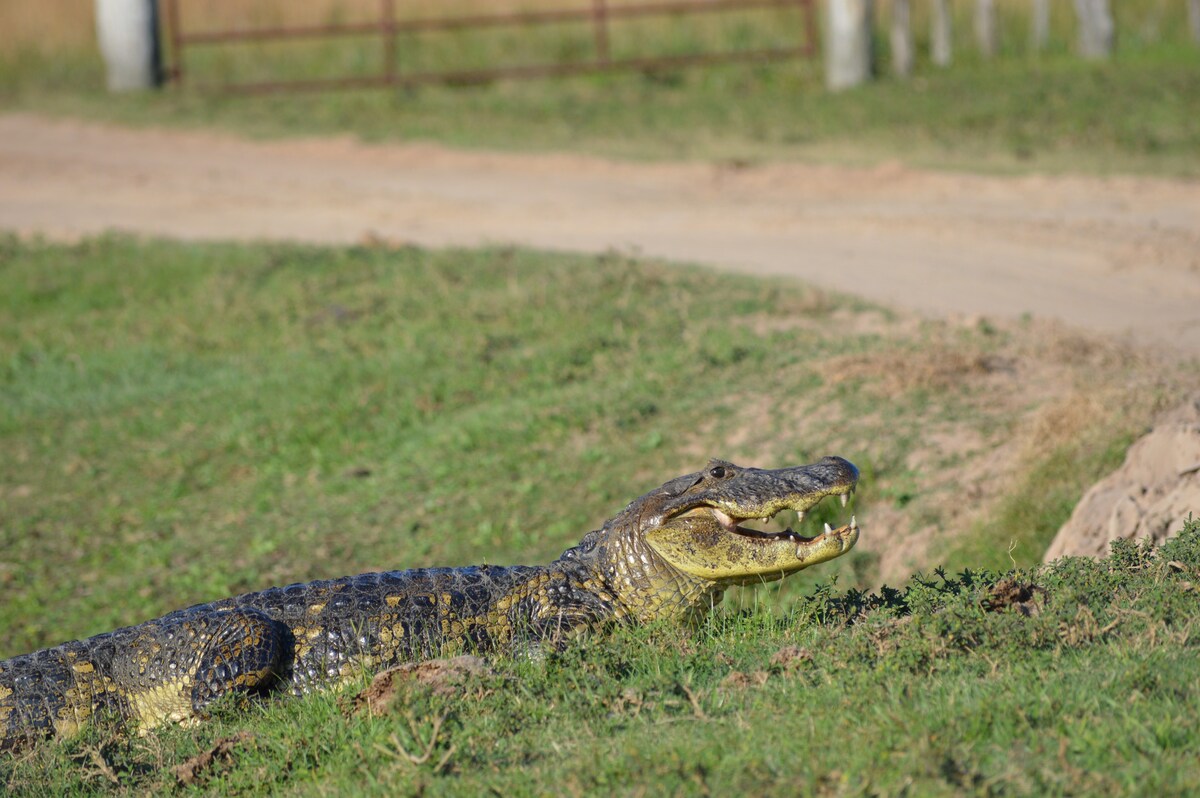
<point x="187" y="422"/>
<point x="1024" y="111"/>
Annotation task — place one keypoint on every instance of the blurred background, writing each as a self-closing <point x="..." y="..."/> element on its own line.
<point x="971" y="82"/>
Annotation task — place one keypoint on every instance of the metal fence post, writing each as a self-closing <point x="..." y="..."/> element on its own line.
<point x="388" y="28"/>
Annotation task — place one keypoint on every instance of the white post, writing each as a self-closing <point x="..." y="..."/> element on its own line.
<point x="847" y="43"/>
<point x="1040" y="34"/>
<point x="902" y="38"/>
<point x="940" y="46"/>
<point x="985" y="27"/>
<point x="128" y="42"/>
<point x="1194" y="19"/>
<point x="1096" y="29"/>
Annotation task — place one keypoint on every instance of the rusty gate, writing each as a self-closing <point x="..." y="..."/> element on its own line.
<point x="598" y="14"/>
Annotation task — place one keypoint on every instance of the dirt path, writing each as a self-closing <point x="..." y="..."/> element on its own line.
<point x="1119" y="255"/>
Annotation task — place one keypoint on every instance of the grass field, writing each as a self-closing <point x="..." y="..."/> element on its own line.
<point x="1025" y="111"/>
<point x="184" y="422"/>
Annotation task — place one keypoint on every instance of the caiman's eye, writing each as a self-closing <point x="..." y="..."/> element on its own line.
<point x="717" y="472"/>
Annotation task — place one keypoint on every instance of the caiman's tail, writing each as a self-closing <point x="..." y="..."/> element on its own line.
<point x="168" y="669"/>
<point x="35" y="696"/>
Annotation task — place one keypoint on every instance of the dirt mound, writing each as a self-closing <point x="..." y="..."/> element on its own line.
<point x="1150" y="496"/>
<point x="441" y="676"/>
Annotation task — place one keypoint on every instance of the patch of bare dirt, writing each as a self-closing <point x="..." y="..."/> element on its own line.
<point x="1010" y="594"/>
<point x="933" y="367"/>
<point x="784" y="662"/>
<point x="441" y="676"/>
<point x="1150" y="496"/>
<point x="191" y="770"/>
<point x="740" y="680"/>
<point x="790" y="658"/>
<point x="982" y="408"/>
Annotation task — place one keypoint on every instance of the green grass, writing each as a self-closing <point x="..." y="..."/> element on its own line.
<point x="1046" y="112"/>
<point x="185" y="422"/>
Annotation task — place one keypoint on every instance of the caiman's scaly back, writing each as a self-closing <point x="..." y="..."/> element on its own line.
<point x="669" y="554"/>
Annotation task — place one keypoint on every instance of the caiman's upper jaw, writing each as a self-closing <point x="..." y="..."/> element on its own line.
<point x="755" y="495"/>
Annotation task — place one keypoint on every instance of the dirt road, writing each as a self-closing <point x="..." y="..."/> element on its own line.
<point x="1119" y="256"/>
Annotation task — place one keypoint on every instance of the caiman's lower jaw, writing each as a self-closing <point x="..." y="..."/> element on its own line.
<point x="710" y="543"/>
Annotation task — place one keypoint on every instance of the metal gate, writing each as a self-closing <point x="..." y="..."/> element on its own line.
<point x="387" y="28"/>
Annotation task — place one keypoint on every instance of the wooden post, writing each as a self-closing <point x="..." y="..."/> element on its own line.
<point x="1194" y="19"/>
<point x="940" y="46"/>
<point x="1039" y="35"/>
<point x="1096" y="30"/>
<point x="175" y="37"/>
<point x="387" y="29"/>
<point x="600" y="30"/>
<point x="902" y="38"/>
<point x="985" y="27"/>
<point x="848" y="52"/>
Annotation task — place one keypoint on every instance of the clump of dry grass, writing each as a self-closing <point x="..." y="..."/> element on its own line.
<point x="937" y="366"/>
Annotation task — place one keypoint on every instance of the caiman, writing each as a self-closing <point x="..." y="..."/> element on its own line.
<point x="671" y="553"/>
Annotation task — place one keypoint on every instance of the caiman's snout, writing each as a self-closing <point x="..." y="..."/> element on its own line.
<point x="830" y="476"/>
<point x="747" y="493"/>
<point x="835" y="470"/>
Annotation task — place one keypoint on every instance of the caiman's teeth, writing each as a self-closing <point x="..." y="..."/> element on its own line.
<point x="853" y="522"/>
<point x="800" y="516"/>
<point x="828" y="529"/>
<point x="845" y="497"/>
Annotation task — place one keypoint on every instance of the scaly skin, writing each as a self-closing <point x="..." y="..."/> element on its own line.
<point x="670" y="553"/>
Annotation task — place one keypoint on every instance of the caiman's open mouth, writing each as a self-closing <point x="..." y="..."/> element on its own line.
<point x="736" y="525"/>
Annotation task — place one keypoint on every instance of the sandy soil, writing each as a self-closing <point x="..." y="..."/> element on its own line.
<point x="1119" y="256"/>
